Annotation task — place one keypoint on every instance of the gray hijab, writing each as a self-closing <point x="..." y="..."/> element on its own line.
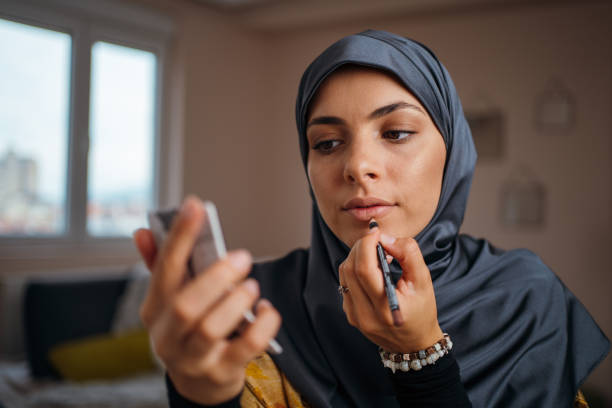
<point x="521" y="337"/>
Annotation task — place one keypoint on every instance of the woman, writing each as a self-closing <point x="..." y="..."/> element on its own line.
<point x="382" y="135"/>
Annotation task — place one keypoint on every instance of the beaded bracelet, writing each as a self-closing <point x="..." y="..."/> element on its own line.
<point x="416" y="361"/>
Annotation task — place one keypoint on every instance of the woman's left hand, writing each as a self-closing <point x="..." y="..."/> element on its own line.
<point x="366" y="306"/>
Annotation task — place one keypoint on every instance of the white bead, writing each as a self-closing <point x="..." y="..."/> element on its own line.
<point x="388" y="363"/>
<point x="422" y="354"/>
<point x="415" y="365"/>
<point x="405" y="366"/>
<point x="435" y="357"/>
<point x="449" y="345"/>
<point x="430" y="358"/>
<point x="437" y="346"/>
<point x="423" y="362"/>
<point x="441" y="353"/>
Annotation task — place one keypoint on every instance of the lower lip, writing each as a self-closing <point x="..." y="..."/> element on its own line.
<point x="367" y="213"/>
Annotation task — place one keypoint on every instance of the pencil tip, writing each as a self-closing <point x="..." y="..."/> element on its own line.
<point x="373" y="223"/>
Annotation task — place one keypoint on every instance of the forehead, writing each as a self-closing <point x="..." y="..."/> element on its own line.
<point x="360" y="88"/>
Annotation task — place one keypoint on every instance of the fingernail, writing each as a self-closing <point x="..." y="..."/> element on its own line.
<point x="410" y="287"/>
<point x="252" y="286"/>
<point x="240" y="259"/>
<point x="188" y="209"/>
<point x="386" y="239"/>
<point x="405" y="286"/>
<point x="264" y="303"/>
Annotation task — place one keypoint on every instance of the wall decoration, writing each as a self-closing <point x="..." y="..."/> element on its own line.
<point x="523" y="200"/>
<point x="488" y="133"/>
<point x="554" y="108"/>
<point x="487" y="124"/>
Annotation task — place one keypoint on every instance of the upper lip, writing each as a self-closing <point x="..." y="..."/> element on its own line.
<point x="364" y="202"/>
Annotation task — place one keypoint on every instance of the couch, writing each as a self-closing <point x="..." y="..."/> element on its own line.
<point x="74" y="339"/>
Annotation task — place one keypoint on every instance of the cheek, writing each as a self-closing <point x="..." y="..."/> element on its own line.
<point x="319" y="181"/>
<point x="421" y="176"/>
<point x="432" y="171"/>
<point x="438" y="161"/>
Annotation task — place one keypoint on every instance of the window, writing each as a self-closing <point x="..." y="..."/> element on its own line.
<point x="34" y="108"/>
<point x="80" y="120"/>
<point x="120" y="165"/>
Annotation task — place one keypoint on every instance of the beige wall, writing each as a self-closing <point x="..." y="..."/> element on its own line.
<point x="231" y="100"/>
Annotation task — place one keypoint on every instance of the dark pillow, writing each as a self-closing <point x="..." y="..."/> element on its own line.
<point x="55" y="312"/>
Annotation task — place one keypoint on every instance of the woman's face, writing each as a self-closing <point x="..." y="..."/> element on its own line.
<point x="374" y="152"/>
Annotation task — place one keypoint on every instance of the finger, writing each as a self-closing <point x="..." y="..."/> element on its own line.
<point x="194" y="301"/>
<point x="254" y="339"/>
<point x="145" y="243"/>
<point x="228" y="314"/>
<point x="370" y="275"/>
<point x="207" y="342"/>
<point x="196" y="298"/>
<point x="367" y="269"/>
<point x="410" y="258"/>
<point x="347" y="302"/>
<point x="174" y="254"/>
<point x="363" y="306"/>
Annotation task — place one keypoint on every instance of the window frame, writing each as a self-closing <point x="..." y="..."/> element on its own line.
<point x="87" y="22"/>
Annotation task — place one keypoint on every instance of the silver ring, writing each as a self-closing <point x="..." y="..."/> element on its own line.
<point x="342" y="289"/>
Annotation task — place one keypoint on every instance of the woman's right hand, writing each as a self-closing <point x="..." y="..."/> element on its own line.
<point x="189" y="322"/>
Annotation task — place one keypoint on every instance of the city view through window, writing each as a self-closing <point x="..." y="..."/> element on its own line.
<point x="35" y="78"/>
<point x="34" y="104"/>
<point x="120" y="175"/>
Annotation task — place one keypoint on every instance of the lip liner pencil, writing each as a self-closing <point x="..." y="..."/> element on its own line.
<point x="389" y="288"/>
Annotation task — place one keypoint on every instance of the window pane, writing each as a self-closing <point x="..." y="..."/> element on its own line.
<point x="120" y="175"/>
<point x="34" y="98"/>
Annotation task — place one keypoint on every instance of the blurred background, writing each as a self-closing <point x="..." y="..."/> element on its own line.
<point x="111" y="108"/>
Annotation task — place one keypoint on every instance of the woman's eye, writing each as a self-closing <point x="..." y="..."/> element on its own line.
<point x="398" y="134"/>
<point x="326" y="145"/>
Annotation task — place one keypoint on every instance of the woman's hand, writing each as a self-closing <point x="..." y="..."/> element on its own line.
<point x="366" y="306"/>
<point x="189" y="322"/>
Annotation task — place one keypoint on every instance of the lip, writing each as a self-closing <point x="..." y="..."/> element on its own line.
<point x="366" y="208"/>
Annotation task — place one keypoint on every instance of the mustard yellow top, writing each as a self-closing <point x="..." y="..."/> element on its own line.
<point x="267" y="387"/>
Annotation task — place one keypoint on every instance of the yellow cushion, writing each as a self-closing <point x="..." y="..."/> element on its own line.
<point x="103" y="356"/>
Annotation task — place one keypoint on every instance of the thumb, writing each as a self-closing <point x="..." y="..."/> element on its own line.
<point x="145" y="243"/>
<point x="410" y="258"/>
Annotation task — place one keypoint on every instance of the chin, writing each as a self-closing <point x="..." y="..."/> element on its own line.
<point x="352" y="235"/>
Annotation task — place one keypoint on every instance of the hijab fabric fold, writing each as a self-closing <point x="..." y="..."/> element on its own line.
<point x="521" y="337"/>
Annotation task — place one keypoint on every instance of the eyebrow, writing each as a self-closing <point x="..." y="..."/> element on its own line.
<point x="387" y="109"/>
<point x="326" y="120"/>
<point x="382" y="111"/>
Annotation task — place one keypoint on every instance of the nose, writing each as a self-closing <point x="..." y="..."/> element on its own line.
<point x="361" y="163"/>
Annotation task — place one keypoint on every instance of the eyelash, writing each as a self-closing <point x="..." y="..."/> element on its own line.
<point x="408" y="133"/>
<point x="319" y="146"/>
<point x="395" y="138"/>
